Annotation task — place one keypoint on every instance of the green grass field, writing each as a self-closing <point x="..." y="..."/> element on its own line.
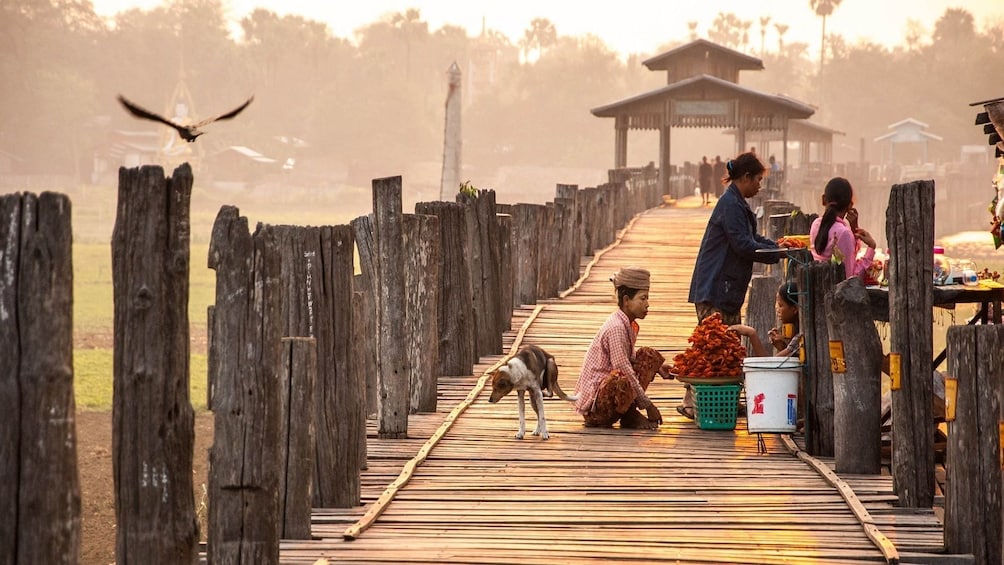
<point x="93" y="314"/>
<point x="94" y="211"/>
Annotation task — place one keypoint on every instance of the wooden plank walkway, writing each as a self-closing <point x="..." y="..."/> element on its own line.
<point x="678" y="494"/>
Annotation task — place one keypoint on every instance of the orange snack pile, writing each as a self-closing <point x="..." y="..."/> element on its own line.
<point x="791" y="243"/>
<point x="714" y="351"/>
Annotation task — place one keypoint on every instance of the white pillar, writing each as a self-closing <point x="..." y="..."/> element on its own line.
<point x="452" y="141"/>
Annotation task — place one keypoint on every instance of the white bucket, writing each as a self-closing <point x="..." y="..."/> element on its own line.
<point x="771" y="393"/>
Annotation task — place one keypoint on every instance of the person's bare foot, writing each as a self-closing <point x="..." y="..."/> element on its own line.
<point x="635" y="420"/>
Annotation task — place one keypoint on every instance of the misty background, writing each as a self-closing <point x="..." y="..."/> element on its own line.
<point x="331" y="114"/>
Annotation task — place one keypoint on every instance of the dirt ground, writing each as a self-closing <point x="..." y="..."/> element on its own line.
<point x="97" y="495"/>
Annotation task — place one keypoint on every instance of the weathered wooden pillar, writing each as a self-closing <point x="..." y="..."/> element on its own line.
<point x="153" y="430"/>
<point x="973" y="483"/>
<point x="392" y="357"/>
<point x="364" y="317"/>
<point x="857" y="382"/>
<point x="546" y="246"/>
<point x="456" y="310"/>
<point x="587" y="205"/>
<point x="503" y="244"/>
<point x="296" y="448"/>
<point x="244" y="460"/>
<point x="479" y="213"/>
<point x="568" y="263"/>
<point x="525" y="250"/>
<point x="421" y="281"/>
<point x="364" y="360"/>
<point x="576" y="229"/>
<point x="761" y="314"/>
<point x="814" y="281"/>
<point x="910" y="231"/>
<point x="340" y="389"/>
<point x="39" y="485"/>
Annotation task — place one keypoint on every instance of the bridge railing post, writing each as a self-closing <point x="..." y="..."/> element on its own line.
<point x="40" y="516"/>
<point x="153" y="426"/>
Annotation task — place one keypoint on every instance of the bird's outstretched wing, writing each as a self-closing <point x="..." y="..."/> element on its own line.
<point x="226" y="116"/>
<point x="144" y="113"/>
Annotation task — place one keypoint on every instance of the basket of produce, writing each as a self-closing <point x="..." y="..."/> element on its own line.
<point x="713" y="366"/>
<point x="714" y="353"/>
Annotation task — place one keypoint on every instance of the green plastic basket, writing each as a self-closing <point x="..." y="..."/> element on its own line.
<point x="716" y="406"/>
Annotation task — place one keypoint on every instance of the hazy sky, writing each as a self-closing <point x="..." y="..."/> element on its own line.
<point x="626" y="26"/>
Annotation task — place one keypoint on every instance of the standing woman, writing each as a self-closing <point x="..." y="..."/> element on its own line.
<point x="725" y="260"/>
<point x="614" y="376"/>
<point x="836" y="232"/>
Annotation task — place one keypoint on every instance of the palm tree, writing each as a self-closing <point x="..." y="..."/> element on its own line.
<point x="541" y="34"/>
<point x="693" y="30"/>
<point x="781" y="30"/>
<point x="764" y="20"/>
<point x="823" y="8"/>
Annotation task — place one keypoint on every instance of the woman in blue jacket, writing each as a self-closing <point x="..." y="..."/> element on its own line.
<point x="725" y="260"/>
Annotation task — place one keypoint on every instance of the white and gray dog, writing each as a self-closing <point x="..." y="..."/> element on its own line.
<point x="531" y="369"/>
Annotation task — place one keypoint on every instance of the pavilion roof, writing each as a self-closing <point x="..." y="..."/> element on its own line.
<point x="665" y="60"/>
<point x="702" y="88"/>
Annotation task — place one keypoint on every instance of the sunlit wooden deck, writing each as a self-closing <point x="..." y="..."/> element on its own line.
<point x="679" y="494"/>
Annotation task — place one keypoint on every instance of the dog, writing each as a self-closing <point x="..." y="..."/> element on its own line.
<point x="531" y="370"/>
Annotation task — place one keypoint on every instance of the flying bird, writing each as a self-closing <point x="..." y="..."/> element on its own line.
<point x="187" y="132"/>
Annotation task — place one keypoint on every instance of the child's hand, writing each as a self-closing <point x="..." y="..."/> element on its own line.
<point x="777" y="338"/>
<point x="666" y="371"/>
<point x="865" y="237"/>
<point x="852" y="219"/>
<point x="743" y="330"/>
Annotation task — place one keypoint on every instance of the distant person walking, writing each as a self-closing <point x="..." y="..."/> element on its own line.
<point x="718" y="176"/>
<point x="773" y="177"/>
<point x="704" y="173"/>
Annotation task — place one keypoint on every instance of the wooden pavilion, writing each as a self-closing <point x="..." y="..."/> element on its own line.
<point x="702" y="91"/>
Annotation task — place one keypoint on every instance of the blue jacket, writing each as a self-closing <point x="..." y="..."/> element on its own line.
<point x="725" y="261"/>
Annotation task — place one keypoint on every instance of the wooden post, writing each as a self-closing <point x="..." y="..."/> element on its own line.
<point x="421" y="274"/>
<point x="506" y="282"/>
<point x="525" y="249"/>
<point x="574" y="225"/>
<point x="340" y="390"/>
<point x="392" y="357"/>
<point x="910" y="231"/>
<point x="244" y="460"/>
<point x="456" y="310"/>
<point x="296" y="448"/>
<point x="973" y="484"/>
<point x="587" y="205"/>
<point x="857" y="383"/>
<point x="153" y="431"/>
<point x="760" y="312"/>
<point x="479" y="213"/>
<point x="814" y="281"/>
<point x="568" y="263"/>
<point x="40" y="515"/>
<point x="365" y="316"/>
<point x="546" y="245"/>
<point x="364" y="359"/>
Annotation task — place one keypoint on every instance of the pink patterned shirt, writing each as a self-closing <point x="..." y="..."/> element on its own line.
<point x="842" y="237"/>
<point x="612" y="349"/>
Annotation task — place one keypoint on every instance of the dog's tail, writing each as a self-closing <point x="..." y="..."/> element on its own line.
<point x="552" y="379"/>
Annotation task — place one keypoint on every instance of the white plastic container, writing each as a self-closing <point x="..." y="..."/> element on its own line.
<point x="771" y="393"/>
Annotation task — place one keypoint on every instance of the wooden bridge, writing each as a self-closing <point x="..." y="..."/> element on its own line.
<point x="461" y="489"/>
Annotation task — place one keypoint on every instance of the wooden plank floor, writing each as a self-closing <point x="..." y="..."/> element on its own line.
<point x="678" y="494"/>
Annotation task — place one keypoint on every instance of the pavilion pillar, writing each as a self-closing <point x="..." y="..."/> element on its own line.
<point x="620" y="143"/>
<point x="664" y="161"/>
<point x="784" y="155"/>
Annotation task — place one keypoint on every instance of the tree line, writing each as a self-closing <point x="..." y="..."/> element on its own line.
<point x="375" y="104"/>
